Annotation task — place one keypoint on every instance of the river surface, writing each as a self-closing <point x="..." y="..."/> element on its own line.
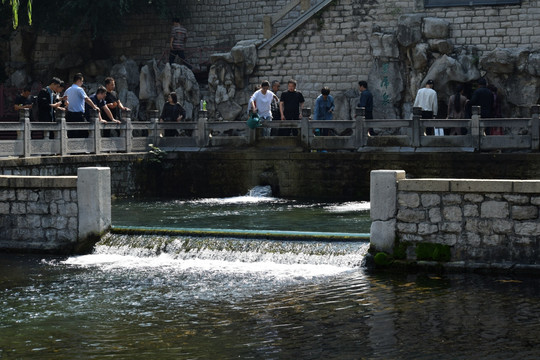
<point x="159" y="297"/>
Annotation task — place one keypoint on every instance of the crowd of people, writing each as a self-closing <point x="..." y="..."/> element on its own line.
<point x="74" y="100"/>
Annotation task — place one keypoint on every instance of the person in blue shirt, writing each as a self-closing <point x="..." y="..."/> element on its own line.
<point x="324" y="108"/>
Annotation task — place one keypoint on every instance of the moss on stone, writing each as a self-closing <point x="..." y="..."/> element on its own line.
<point x="435" y="252"/>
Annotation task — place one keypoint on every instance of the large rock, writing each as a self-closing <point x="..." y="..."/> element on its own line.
<point x="384" y="45"/>
<point x="147" y="83"/>
<point x="420" y="56"/>
<point x="500" y="61"/>
<point x="245" y="52"/>
<point x="447" y="69"/>
<point x="435" y="28"/>
<point x="346" y="103"/>
<point x="409" y="29"/>
<point x="132" y="72"/>
<point x="533" y="65"/>
<point x="164" y="78"/>
<point x="229" y="110"/>
<point x="386" y="84"/>
<point x="119" y="74"/>
<point x="441" y="46"/>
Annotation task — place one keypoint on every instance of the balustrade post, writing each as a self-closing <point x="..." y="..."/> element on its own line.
<point x="24" y="115"/>
<point x="304" y="127"/>
<point x="417" y="130"/>
<point x="153" y="115"/>
<point x="360" y="118"/>
<point x="535" y="127"/>
<point x="201" y="128"/>
<point x="475" y="127"/>
<point x="63" y="134"/>
<point x="129" y="130"/>
<point x="94" y="118"/>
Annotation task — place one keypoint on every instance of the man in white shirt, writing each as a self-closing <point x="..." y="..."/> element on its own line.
<point x="426" y="98"/>
<point x="261" y="102"/>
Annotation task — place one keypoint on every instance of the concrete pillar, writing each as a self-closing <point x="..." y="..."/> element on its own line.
<point x="535" y="127"/>
<point x="417" y="130"/>
<point x="94" y="199"/>
<point x="383" y="199"/>
<point x="201" y="128"/>
<point x="304" y="127"/>
<point x="360" y="118"/>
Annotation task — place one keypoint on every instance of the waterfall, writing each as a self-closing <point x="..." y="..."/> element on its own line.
<point x="260" y="191"/>
<point x="152" y="247"/>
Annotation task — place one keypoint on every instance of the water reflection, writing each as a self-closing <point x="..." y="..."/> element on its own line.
<point x="60" y="309"/>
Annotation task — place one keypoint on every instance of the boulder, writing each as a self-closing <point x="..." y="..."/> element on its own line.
<point x="447" y="69"/>
<point x="499" y="61"/>
<point x="435" y="28"/>
<point x="229" y="110"/>
<point x="245" y="52"/>
<point x="147" y="84"/>
<point x="441" y="46"/>
<point x="386" y="84"/>
<point x="131" y="101"/>
<point x="119" y="74"/>
<point x="533" y="64"/>
<point x="132" y="72"/>
<point x="346" y="103"/>
<point x="409" y="29"/>
<point x="384" y="45"/>
<point x="420" y="56"/>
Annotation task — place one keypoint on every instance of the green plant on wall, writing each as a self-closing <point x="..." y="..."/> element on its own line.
<point x="433" y="252"/>
<point x="155" y="154"/>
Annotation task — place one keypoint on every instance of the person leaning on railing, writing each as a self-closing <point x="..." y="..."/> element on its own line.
<point x="76" y="105"/>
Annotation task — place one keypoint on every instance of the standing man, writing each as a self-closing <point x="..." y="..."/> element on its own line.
<point x="76" y="100"/>
<point x="47" y="101"/>
<point x="178" y="42"/>
<point x="112" y="101"/>
<point x="261" y="102"/>
<point x="366" y="101"/>
<point x="483" y="97"/>
<point x="426" y="98"/>
<point x="291" y="105"/>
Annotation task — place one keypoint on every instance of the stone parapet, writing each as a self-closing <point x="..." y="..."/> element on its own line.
<point x="57" y="214"/>
<point x="478" y="221"/>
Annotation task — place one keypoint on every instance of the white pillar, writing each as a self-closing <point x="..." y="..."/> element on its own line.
<point x="94" y="201"/>
<point x="383" y="200"/>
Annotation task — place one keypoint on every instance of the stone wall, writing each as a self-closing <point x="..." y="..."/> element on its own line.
<point x="60" y="214"/>
<point x="487" y="222"/>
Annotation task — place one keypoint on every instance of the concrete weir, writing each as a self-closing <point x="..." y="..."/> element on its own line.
<point x="464" y="224"/>
<point x="56" y="214"/>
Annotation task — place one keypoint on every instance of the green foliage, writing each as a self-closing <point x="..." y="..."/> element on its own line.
<point x="382" y="259"/>
<point x="15" y="7"/>
<point x="156" y="155"/>
<point x="400" y="250"/>
<point x="435" y="252"/>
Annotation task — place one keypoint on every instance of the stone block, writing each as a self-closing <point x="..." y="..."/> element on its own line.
<point x="410" y="200"/>
<point x="424" y="185"/>
<point x="503" y="226"/>
<point x="7" y="195"/>
<point x="516" y="199"/>
<point x="474" y="198"/>
<point x="472" y="239"/>
<point x="382" y="235"/>
<point x="18" y="208"/>
<point x="479" y="226"/>
<point x="452" y="213"/>
<point x="527" y="186"/>
<point x="493" y="240"/>
<point x="451" y="199"/>
<point x="434" y="215"/>
<point x="435" y="28"/>
<point x="383" y="193"/>
<point x="527" y="228"/>
<point x="407" y="228"/>
<point x="450" y="227"/>
<point x="94" y="200"/>
<point x="494" y="209"/>
<point x="37" y="208"/>
<point x="524" y="212"/>
<point x="427" y="229"/>
<point x="481" y="186"/>
<point x="411" y="216"/>
<point x="470" y="211"/>
<point x="430" y="200"/>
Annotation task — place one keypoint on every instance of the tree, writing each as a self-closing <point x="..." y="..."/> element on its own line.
<point x="15" y="5"/>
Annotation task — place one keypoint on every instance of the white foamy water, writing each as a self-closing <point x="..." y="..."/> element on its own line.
<point x="169" y="264"/>
<point x="349" y="207"/>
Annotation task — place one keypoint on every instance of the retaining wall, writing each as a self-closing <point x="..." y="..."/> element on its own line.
<point x="60" y="214"/>
<point x="483" y="223"/>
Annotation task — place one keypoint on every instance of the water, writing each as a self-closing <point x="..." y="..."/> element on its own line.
<point x="142" y="297"/>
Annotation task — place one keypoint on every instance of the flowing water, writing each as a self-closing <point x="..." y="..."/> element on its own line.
<point x="169" y="297"/>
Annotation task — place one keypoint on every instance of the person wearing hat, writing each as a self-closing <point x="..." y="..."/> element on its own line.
<point x="426" y="98"/>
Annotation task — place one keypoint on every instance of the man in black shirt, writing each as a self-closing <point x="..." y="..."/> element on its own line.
<point x="290" y="105"/>
<point x="112" y="101"/>
<point x="47" y="100"/>
<point x="23" y="100"/>
<point x="99" y="100"/>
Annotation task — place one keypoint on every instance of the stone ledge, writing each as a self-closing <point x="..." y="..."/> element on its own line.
<point x="470" y="186"/>
<point x="14" y="181"/>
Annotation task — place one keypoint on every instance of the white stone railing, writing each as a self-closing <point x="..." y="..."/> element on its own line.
<point x="26" y="138"/>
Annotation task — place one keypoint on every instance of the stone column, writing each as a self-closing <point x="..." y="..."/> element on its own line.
<point x="475" y="127"/>
<point x="126" y="119"/>
<point x="94" y="203"/>
<point x="417" y="130"/>
<point x="153" y="116"/>
<point x="535" y="127"/>
<point x="304" y="127"/>
<point x="383" y="198"/>
<point x="360" y="118"/>
<point x="201" y="128"/>
<point x="24" y="116"/>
